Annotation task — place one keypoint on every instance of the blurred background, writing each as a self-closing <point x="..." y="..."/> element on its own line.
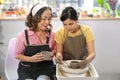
<point x="103" y="16"/>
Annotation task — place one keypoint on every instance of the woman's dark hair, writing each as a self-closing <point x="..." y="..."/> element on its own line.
<point x="32" y="21"/>
<point x="69" y="12"/>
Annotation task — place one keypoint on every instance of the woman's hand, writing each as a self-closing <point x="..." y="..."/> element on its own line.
<point x="52" y="54"/>
<point x="59" y="58"/>
<point x="37" y="58"/>
<point x="83" y="64"/>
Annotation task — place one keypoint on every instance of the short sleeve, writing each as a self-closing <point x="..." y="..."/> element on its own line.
<point x="60" y="36"/>
<point x="88" y="33"/>
<point x="20" y="43"/>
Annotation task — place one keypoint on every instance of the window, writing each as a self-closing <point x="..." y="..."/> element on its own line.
<point x="56" y="5"/>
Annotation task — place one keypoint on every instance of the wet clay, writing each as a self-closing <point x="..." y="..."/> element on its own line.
<point x="74" y="64"/>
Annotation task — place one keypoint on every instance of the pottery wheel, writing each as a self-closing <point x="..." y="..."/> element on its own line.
<point x="65" y="67"/>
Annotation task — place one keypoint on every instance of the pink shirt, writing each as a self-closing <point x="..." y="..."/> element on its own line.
<point x="33" y="40"/>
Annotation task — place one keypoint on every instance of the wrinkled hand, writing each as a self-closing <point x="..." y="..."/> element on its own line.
<point x="58" y="58"/>
<point x="83" y="64"/>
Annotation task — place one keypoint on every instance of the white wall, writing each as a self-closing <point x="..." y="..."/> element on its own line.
<point x="8" y="29"/>
<point x="107" y="45"/>
<point x="107" y="41"/>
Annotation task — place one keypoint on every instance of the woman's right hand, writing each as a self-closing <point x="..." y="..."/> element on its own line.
<point x="37" y="58"/>
<point x="59" y="58"/>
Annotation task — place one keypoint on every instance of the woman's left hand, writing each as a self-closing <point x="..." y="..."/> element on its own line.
<point x="83" y="64"/>
<point x="52" y="55"/>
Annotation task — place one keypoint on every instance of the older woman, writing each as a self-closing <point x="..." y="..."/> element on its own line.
<point x="30" y="42"/>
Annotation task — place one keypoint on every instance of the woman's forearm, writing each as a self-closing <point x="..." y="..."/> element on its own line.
<point x="21" y="57"/>
<point x="59" y="49"/>
<point x="90" y="57"/>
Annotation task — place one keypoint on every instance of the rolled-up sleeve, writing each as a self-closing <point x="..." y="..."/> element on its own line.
<point x="20" y="43"/>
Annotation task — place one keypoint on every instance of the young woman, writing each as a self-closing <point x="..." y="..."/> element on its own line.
<point x="30" y="42"/>
<point x="74" y="41"/>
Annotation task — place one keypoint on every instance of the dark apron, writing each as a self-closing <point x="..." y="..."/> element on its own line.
<point x="31" y="70"/>
<point x="74" y="48"/>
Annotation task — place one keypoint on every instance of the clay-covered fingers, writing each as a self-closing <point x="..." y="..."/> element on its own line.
<point x="52" y="54"/>
<point x="58" y="58"/>
<point x="83" y="64"/>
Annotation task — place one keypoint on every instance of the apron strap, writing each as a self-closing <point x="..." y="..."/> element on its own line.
<point x="47" y="41"/>
<point x="26" y="36"/>
<point x="49" y="32"/>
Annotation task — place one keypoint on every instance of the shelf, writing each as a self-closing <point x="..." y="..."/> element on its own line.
<point x="84" y="18"/>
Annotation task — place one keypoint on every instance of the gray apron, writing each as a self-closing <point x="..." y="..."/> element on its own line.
<point x="31" y="70"/>
<point x="74" y="48"/>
